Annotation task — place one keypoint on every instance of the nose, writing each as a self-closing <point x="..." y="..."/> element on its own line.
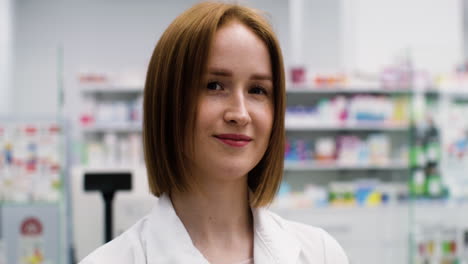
<point x="236" y="111"/>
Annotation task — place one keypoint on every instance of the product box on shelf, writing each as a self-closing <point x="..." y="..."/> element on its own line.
<point x="32" y="197"/>
<point x="110" y="120"/>
<point x="114" y="151"/>
<point x="32" y="234"/>
<point x="339" y="111"/>
<point x="30" y="162"/>
<point x="454" y="150"/>
<point x="440" y="241"/>
<point x="375" y="150"/>
<point x="357" y="193"/>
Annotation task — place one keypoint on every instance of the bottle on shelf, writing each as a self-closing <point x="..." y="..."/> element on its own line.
<point x="426" y="180"/>
<point x="417" y="163"/>
<point x="434" y="185"/>
<point x="432" y="144"/>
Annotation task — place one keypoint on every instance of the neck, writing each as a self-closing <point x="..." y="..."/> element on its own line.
<point x="217" y="215"/>
<point x="221" y="210"/>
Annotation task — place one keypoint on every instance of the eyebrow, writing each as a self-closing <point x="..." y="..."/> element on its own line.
<point x="228" y="73"/>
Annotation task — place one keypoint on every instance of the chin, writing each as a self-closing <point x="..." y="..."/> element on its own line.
<point x="235" y="171"/>
<point x="228" y="167"/>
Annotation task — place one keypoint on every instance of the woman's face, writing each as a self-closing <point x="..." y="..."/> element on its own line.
<point x="235" y="108"/>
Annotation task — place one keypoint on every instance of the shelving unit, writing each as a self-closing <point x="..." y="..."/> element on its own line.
<point x="111" y="125"/>
<point x="438" y="229"/>
<point x="122" y="127"/>
<point x="370" y="89"/>
<point x="306" y="127"/>
<point x="317" y="166"/>
<point x="357" y="127"/>
<point x="374" y="224"/>
<point x="111" y="90"/>
<point x="33" y="190"/>
<point x="305" y="89"/>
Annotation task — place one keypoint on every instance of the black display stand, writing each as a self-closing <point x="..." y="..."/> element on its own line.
<point x="108" y="183"/>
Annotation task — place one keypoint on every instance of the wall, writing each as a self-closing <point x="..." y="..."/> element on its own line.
<point x="315" y="34"/>
<point x="465" y="28"/>
<point x="112" y="36"/>
<point x="6" y="51"/>
<point x="39" y="30"/>
<point x="376" y="32"/>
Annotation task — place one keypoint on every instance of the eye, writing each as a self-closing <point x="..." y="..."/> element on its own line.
<point x="258" y="90"/>
<point x="215" y="86"/>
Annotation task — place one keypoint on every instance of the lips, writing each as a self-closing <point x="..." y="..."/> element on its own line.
<point x="234" y="140"/>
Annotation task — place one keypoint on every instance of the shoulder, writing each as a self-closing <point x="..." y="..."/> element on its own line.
<point x="312" y="238"/>
<point x="126" y="248"/>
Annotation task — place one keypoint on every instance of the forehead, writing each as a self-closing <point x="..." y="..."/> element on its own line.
<point x="236" y="45"/>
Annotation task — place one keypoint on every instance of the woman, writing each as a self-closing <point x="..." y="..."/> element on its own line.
<point x="214" y="144"/>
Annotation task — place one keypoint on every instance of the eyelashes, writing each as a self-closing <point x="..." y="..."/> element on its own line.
<point x="218" y="86"/>
<point x="258" y="90"/>
<point x="214" y="86"/>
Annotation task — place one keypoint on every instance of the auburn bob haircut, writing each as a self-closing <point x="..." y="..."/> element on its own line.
<point x="171" y="91"/>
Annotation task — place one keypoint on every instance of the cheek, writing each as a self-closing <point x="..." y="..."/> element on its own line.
<point x="205" y="115"/>
<point x="266" y="118"/>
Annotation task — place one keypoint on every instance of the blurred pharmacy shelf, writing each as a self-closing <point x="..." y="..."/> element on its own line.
<point x="368" y="235"/>
<point x="333" y="166"/>
<point x="34" y="189"/>
<point x="301" y="89"/>
<point x="28" y="203"/>
<point x="304" y="89"/>
<point x="112" y="168"/>
<point x="110" y="124"/>
<point x="380" y="234"/>
<point x="370" y="89"/>
<point x="112" y="89"/>
<point x="121" y="127"/>
<point x="456" y="94"/>
<point x="357" y="127"/>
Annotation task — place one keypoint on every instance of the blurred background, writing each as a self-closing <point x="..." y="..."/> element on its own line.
<point x="377" y="127"/>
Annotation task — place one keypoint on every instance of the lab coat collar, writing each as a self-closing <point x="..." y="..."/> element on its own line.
<point x="169" y="241"/>
<point x="272" y="243"/>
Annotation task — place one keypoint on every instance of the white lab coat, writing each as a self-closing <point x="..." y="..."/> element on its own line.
<point x="161" y="238"/>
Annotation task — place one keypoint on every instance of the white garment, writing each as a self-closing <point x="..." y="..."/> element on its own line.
<point x="249" y="261"/>
<point x="161" y="238"/>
